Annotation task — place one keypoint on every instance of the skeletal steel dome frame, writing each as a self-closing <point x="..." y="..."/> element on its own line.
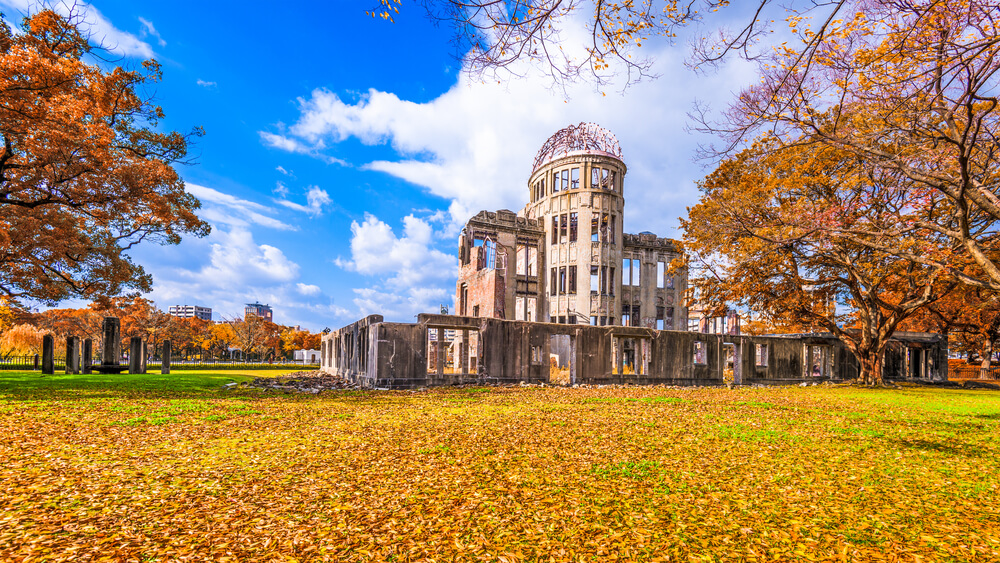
<point x="589" y="137"/>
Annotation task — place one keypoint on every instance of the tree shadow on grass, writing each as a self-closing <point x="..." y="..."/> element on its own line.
<point x="949" y="447"/>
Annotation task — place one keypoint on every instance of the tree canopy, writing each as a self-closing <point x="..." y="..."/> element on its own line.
<point x="85" y="172"/>
<point x="760" y="238"/>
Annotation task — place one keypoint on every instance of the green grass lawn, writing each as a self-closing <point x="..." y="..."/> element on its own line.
<point x="160" y="468"/>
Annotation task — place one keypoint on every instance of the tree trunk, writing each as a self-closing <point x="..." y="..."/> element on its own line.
<point x="984" y="368"/>
<point x="871" y="368"/>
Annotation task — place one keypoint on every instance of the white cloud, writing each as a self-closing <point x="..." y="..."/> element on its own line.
<point x="283" y="171"/>
<point x="223" y="271"/>
<point x="236" y="260"/>
<point x="417" y="269"/>
<point x="316" y="198"/>
<point x="474" y="144"/>
<point x="307" y="289"/>
<point x="100" y="29"/>
<point x="219" y="207"/>
<point x="281" y="189"/>
<point x="206" y="83"/>
<point x="149" y="29"/>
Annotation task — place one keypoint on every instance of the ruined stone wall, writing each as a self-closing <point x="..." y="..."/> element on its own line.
<point x="450" y="350"/>
<point x="492" y="274"/>
<point x="657" y="300"/>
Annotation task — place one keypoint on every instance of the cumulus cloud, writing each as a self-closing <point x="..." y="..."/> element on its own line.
<point x="417" y="272"/>
<point x="205" y="83"/>
<point x="474" y="144"/>
<point x="100" y="28"/>
<point x="227" y="209"/>
<point x="238" y="260"/>
<point x="149" y="29"/>
<point x="307" y="289"/>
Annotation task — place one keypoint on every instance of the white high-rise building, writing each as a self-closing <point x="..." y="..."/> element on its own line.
<point x="189" y="311"/>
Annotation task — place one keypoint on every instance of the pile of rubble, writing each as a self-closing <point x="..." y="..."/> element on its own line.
<point x="300" y="382"/>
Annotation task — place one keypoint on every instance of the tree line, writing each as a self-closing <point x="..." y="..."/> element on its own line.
<point x="255" y="337"/>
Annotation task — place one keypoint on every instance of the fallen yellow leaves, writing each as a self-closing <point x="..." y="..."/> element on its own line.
<point x="508" y="474"/>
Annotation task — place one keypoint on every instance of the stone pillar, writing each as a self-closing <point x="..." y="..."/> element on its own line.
<point x="112" y="342"/>
<point x="88" y="355"/>
<point x="72" y="354"/>
<point x="442" y="352"/>
<point x="48" y="355"/>
<point x="135" y="355"/>
<point x="36" y="363"/>
<point x="165" y="358"/>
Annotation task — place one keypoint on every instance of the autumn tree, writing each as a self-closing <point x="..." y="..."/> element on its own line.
<point x="85" y="174"/>
<point x="909" y="87"/>
<point x="253" y="333"/>
<point x="970" y="316"/>
<point x="188" y="334"/>
<point x="218" y="338"/>
<point x="759" y="238"/>
<point x="84" y="323"/>
<point x="21" y="340"/>
<point x="292" y="340"/>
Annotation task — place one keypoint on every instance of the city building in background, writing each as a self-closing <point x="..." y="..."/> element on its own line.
<point x="191" y="311"/>
<point x="259" y="310"/>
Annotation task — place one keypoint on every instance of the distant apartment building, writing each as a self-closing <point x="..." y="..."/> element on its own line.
<point x="190" y="311"/>
<point x="259" y="310"/>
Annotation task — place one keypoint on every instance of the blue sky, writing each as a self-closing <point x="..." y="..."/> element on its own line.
<point x="343" y="154"/>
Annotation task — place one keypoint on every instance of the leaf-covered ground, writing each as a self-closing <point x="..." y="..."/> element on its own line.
<point x="184" y="471"/>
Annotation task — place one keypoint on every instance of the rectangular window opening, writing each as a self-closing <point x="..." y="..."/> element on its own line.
<point x="761" y="353"/>
<point x="574" y="182"/>
<point x="572" y="279"/>
<point x="660" y="275"/>
<point x="595" y="282"/>
<point x="572" y="226"/>
<point x="700" y="357"/>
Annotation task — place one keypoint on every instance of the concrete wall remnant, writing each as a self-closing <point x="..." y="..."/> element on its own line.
<point x="455" y="350"/>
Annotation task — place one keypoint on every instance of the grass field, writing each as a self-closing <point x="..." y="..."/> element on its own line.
<point x="160" y="468"/>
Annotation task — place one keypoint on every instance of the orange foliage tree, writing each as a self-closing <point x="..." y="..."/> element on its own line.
<point x="909" y="87"/>
<point x="970" y="316"/>
<point x="760" y="238"/>
<point x="84" y="172"/>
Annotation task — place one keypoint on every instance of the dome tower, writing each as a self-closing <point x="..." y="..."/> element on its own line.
<point x="576" y="194"/>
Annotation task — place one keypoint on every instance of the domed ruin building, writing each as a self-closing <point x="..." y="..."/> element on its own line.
<point x="565" y="258"/>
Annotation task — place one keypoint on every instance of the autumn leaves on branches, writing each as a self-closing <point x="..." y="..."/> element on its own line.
<point x="870" y="187"/>
<point x="84" y="172"/>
